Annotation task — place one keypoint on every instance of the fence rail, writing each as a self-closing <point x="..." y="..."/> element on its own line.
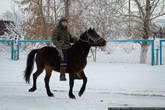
<point x="22" y="41"/>
<point x="33" y="41"/>
<point x="152" y="46"/>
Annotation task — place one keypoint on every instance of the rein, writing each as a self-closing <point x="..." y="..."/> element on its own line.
<point x="90" y="38"/>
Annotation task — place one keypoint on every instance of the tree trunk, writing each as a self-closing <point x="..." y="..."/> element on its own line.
<point x="67" y="15"/>
<point x="15" y="49"/>
<point x="43" y="21"/>
<point x="94" y="53"/>
<point x="146" y="29"/>
<point x="55" y="12"/>
<point x="66" y="3"/>
<point x="143" y="53"/>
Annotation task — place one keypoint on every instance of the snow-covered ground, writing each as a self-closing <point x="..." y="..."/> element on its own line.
<point x="109" y="85"/>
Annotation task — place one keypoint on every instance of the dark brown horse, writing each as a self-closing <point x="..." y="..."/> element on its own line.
<point x="47" y="58"/>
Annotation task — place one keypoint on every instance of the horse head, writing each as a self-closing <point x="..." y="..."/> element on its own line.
<point x="92" y="38"/>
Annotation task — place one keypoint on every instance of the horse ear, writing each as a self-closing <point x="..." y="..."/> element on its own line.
<point x="90" y="29"/>
<point x="94" y="29"/>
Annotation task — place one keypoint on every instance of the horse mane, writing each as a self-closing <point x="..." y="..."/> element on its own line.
<point x="79" y="42"/>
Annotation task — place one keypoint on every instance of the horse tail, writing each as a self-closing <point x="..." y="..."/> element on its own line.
<point x="29" y="65"/>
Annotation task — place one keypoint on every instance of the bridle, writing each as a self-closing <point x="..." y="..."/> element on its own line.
<point x="95" y="40"/>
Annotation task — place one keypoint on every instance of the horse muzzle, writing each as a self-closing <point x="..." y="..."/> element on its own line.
<point x="100" y="42"/>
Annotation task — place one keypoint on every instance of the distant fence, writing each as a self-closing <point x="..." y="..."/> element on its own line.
<point x="35" y="41"/>
<point x="12" y="47"/>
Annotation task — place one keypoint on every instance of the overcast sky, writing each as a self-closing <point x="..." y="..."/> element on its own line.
<point x="5" y="5"/>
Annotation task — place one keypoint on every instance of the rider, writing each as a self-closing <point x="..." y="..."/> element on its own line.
<point x="61" y="39"/>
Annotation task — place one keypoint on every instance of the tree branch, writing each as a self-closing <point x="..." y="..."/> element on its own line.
<point x="159" y="15"/>
<point x="140" y="8"/>
<point x="153" y="9"/>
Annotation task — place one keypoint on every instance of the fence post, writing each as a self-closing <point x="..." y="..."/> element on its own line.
<point x="12" y="50"/>
<point x="160" y="52"/>
<point x="18" y="50"/>
<point x="152" y="53"/>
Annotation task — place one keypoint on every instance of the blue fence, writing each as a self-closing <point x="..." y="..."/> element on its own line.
<point x="21" y="41"/>
<point x="33" y="41"/>
<point x="161" y="51"/>
<point x="12" y="47"/>
<point x="152" y="46"/>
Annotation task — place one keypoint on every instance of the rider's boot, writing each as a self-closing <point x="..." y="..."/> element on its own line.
<point x="62" y="73"/>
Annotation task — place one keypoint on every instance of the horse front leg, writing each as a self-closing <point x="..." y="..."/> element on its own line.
<point x="84" y="78"/>
<point x="71" y="84"/>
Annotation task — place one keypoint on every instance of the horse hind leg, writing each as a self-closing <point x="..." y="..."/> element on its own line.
<point x="84" y="83"/>
<point x="35" y="76"/>
<point x="47" y="79"/>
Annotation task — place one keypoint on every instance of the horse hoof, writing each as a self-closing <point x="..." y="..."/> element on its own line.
<point x="72" y="97"/>
<point x="51" y="95"/>
<point x="32" y="89"/>
<point x="80" y="94"/>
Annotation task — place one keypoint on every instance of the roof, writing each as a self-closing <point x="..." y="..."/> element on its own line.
<point x="3" y="28"/>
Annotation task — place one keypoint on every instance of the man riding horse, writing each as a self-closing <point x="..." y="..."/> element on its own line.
<point x="47" y="58"/>
<point x="61" y="39"/>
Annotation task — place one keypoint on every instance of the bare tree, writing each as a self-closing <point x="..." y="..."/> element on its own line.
<point x="15" y="29"/>
<point x="42" y="17"/>
<point x="142" y="16"/>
